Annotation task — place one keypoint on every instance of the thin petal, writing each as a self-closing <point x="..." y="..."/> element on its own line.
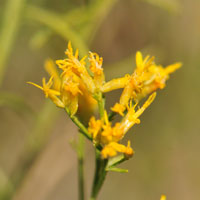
<point x="171" y="68"/>
<point x="36" y="85"/>
<point x="139" y="59"/>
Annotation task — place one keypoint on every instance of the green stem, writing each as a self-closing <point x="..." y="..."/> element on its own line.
<point x="101" y="103"/>
<point x="81" y="144"/>
<point x="100" y="174"/>
<point x="82" y="128"/>
<point x="100" y="171"/>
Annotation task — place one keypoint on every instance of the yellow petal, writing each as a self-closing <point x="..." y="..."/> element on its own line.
<point x="36" y="85"/>
<point x="145" y="105"/>
<point x="118" y="108"/>
<point x="54" y="92"/>
<point x="52" y="71"/>
<point x="73" y="105"/>
<point x="56" y="101"/>
<point x="171" y="68"/>
<point x="132" y="116"/>
<point x="115" y="84"/>
<point x="70" y="47"/>
<point x="139" y="59"/>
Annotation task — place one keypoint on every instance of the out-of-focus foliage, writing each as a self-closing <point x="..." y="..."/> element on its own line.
<point x="34" y="135"/>
<point x="173" y="6"/>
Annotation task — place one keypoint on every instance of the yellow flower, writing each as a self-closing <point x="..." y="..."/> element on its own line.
<point x="50" y="93"/>
<point x="131" y="117"/>
<point x="77" y="66"/>
<point x="94" y="127"/>
<point x="52" y="71"/>
<point x="87" y="105"/>
<point x="163" y="197"/>
<point x="96" y="68"/>
<point x="79" y="87"/>
<point x="115" y="84"/>
<point x="70" y="90"/>
<point x="147" y="78"/>
<point x="109" y="136"/>
<point x="129" y="83"/>
<point x="72" y="61"/>
<point x="156" y="78"/>
<point x="113" y="148"/>
<point x="118" y="108"/>
<point x="71" y="83"/>
<point x="151" y="76"/>
<point x="103" y="132"/>
<point x="74" y="85"/>
<point x="141" y="63"/>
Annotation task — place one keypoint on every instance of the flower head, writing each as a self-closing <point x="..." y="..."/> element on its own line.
<point x="77" y="66"/>
<point x="73" y="85"/>
<point x="147" y="78"/>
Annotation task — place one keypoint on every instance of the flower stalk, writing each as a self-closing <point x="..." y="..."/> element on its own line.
<point x="100" y="174"/>
<point x="100" y="164"/>
<point x="81" y="144"/>
<point x="81" y="126"/>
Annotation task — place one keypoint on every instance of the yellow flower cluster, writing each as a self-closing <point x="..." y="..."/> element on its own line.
<point x="77" y="83"/>
<point x="147" y="78"/>
<point x="109" y="137"/>
<point x="74" y="86"/>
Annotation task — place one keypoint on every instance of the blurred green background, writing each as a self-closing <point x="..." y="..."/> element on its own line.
<point x="36" y="159"/>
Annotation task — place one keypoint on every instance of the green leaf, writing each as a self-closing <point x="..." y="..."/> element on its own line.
<point x="116" y="169"/>
<point x="116" y="160"/>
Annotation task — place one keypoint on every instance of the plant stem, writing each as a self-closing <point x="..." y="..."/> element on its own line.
<point x="100" y="174"/>
<point x="81" y="144"/>
<point x="100" y="171"/>
<point x="101" y="103"/>
<point x="82" y="128"/>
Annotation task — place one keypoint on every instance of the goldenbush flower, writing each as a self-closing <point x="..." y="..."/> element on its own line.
<point x="147" y="78"/>
<point x="79" y="88"/>
<point x="78" y="84"/>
